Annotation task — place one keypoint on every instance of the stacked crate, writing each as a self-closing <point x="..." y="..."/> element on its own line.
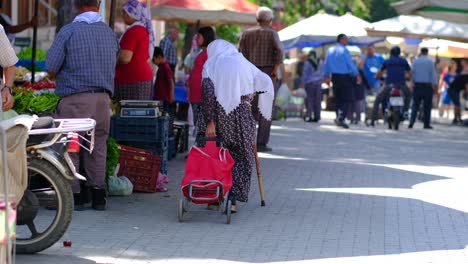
<point x="146" y="133"/>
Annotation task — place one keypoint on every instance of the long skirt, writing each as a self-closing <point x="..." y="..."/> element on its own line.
<point x="134" y="91"/>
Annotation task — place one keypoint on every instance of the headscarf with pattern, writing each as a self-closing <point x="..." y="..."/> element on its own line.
<point x="141" y="13"/>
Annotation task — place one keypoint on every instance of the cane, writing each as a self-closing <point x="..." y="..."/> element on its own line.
<point x="259" y="175"/>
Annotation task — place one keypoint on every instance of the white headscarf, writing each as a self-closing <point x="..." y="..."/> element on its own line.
<point x="88" y="17"/>
<point x="234" y="76"/>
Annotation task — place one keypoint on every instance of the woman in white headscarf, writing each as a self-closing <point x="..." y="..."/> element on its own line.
<point x="228" y="87"/>
<point x="134" y="76"/>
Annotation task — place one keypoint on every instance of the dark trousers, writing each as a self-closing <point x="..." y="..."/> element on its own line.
<point x="314" y="99"/>
<point x="343" y="90"/>
<point x="95" y="106"/>
<point x="422" y="92"/>
<point x="264" y="125"/>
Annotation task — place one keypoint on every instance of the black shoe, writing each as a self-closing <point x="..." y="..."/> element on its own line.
<point x="342" y="124"/>
<point x="99" y="199"/>
<point x="428" y="127"/>
<point x="410" y="126"/>
<point x="308" y="119"/>
<point x="78" y="201"/>
<point x="263" y="148"/>
<point x="315" y="120"/>
<point x="372" y="123"/>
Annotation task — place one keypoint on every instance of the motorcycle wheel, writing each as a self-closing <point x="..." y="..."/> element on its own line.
<point x="54" y="200"/>
<point x="396" y="119"/>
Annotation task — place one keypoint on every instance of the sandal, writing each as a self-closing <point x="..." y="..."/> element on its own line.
<point x="233" y="209"/>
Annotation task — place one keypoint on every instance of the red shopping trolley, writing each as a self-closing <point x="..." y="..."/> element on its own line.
<point x="208" y="177"/>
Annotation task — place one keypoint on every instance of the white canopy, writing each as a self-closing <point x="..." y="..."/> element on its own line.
<point x="322" y="29"/>
<point x="419" y="27"/>
<point x="449" y="10"/>
<point x="446" y="48"/>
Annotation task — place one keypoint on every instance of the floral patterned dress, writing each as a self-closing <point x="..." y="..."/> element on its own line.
<point x="237" y="130"/>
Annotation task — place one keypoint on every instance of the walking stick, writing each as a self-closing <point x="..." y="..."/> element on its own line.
<point x="259" y="175"/>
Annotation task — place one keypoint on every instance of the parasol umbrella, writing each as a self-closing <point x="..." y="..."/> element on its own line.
<point x="322" y="29"/>
<point x="448" y="10"/>
<point x="206" y="11"/>
<point x="446" y="48"/>
<point x="419" y="27"/>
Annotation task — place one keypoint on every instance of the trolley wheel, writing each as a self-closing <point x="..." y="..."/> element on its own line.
<point x="181" y="210"/>
<point x="228" y="212"/>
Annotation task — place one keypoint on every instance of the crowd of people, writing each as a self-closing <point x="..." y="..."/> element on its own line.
<point x="230" y="89"/>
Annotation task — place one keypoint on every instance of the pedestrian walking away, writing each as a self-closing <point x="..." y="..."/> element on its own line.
<point x="398" y="71"/>
<point x="134" y="76"/>
<point x="262" y="47"/>
<point x="425" y="83"/>
<point x="226" y="109"/>
<point x="83" y="58"/>
<point x="312" y="79"/>
<point x="339" y="64"/>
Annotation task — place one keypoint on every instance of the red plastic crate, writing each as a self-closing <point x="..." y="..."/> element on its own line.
<point x="140" y="166"/>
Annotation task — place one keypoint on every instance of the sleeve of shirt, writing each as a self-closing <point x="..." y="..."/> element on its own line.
<point x="278" y="58"/>
<point x="209" y="100"/>
<point x="7" y="55"/>
<point x="350" y="63"/>
<point x="129" y="40"/>
<point x="434" y="75"/>
<point x="384" y="66"/>
<point x="407" y="67"/>
<point x="56" y="54"/>
<point x="241" y="44"/>
<point x="165" y="47"/>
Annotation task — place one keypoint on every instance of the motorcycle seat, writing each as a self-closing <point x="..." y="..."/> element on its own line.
<point x="41" y="123"/>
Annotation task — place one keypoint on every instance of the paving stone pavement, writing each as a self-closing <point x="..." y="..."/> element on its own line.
<point x="340" y="196"/>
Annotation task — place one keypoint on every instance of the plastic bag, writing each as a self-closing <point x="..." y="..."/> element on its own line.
<point x="119" y="186"/>
<point x="161" y="183"/>
<point x="9" y="114"/>
<point x="282" y="96"/>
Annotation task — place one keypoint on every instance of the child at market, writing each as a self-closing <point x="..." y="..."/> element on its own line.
<point x="164" y="85"/>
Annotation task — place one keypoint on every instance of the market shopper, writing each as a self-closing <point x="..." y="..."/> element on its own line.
<point x="226" y="109"/>
<point x="83" y="58"/>
<point x="205" y="36"/>
<point x="425" y="83"/>
<point x="134" y="76"/>
<point x="169" y="48"/>
<point x="8" y="60"/>
<point x="262" y="47"/>
<point x="446" y="78"/>
<point x="312" y="79"/>
<point x="344" y="75"/>
<point x="456" y="87"/>
<point x="164" y="85"/>
<point x="370" y="64"/>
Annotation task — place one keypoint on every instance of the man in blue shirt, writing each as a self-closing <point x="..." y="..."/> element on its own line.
<point x="342" y="69"/>
<point x="398" y="70"/>
<point x="370" y="64"/>
<point x="83" y="58"/>
<point x="425" y="82"/>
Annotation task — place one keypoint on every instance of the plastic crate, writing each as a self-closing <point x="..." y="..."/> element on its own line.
<point x="40" y="65"/>
<point x="140" y="166"/>
<point x="139" y="129"/>
<point x="156" y="148"/>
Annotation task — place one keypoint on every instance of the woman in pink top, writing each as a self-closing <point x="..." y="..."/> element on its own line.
<point x="134" y="76"/>
<point x="205" y="36"/>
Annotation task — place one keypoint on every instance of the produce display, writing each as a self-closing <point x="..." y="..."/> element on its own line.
<point x="27" y="102"/>
<point x="112" y="157"/>
<point x="40" y="85"/>
<point x="26" y="54"/>
<point x="20" y="73"/>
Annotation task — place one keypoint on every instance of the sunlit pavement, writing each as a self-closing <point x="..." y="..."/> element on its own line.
<point x="360" y="195"/>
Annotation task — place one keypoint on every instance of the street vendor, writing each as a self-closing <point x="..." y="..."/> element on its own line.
<point x="134" y="76"/>
<point x="8" y="60"/>
<point x="83" y="57"/>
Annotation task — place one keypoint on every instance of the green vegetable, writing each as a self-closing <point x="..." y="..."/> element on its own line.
<point x="26" y="102"/>
<point x="112" y="157"/>
<point x="26" y="54"/>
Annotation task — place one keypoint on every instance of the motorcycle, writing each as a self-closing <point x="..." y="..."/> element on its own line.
<point x="394" y="111"/>
<point x="45" y="211"/>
